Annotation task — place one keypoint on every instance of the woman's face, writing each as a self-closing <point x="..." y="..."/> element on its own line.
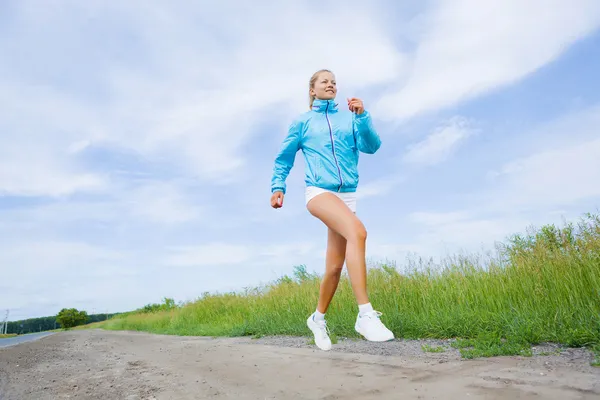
<point x="325" y="87"/>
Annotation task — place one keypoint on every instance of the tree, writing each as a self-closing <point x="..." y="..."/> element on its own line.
<point x="70" y="317"/>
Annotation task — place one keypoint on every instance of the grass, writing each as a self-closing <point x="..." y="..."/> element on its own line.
<point x="489" y="344"/>
<point x="430" y="349"/>
<point x="596" y="350"/>
<point x="542" y="286"/>
<point x="8" y="335"/>
<point x="91" y="325"/>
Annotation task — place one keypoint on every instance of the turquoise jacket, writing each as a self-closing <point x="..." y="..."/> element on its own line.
<point x="330" y="140"/>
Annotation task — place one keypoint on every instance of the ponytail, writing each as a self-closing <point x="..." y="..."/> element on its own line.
<point x="311" y="99"/>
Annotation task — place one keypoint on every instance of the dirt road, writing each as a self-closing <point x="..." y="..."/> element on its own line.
<point x="136" y="366"/>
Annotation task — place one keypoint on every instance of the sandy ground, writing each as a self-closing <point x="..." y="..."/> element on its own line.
<point x="104" y="365"/>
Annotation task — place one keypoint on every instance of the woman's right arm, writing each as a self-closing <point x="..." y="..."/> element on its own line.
<point x="286" y="156"/>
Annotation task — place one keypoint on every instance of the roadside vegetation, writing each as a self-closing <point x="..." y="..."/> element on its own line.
<point x="7" y="335"/>
<point x="69" y="318"/>
<point x="542" y="286"/>
<point x="47" y="324"/>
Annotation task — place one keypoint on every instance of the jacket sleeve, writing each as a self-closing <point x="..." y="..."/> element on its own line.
<point x="285" y="158"/>
<point x="367" y="139"/>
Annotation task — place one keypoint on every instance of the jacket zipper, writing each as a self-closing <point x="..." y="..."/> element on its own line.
<point x="333" y="148"/>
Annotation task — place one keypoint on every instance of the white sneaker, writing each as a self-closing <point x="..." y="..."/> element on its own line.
<point x="319" y="329"/>
<point x="370" y="326"/>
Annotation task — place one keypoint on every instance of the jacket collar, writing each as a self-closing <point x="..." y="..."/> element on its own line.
<point x="322" y="105"/>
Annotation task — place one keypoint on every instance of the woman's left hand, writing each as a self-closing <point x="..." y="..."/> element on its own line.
<point x="356" y="105"/>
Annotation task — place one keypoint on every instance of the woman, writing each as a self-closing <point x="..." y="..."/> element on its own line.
<point x="330" y="140"/>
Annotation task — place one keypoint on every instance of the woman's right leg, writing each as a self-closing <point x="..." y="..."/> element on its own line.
<point x="334" y="262"/>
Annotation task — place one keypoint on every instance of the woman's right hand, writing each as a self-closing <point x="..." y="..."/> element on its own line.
<point x="277" y="199"/>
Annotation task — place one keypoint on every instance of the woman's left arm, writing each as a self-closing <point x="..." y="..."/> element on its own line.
<point x="367" y="139"/>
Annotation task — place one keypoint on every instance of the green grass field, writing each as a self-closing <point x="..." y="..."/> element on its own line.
<point x="543" y="286"/>
<point x="8" y="335"/>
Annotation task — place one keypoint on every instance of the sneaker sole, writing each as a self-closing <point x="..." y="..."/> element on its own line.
<point x="372" y="340"/>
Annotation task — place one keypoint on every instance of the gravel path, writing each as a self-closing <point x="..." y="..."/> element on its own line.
<point x="96" y="364"/>
<point x="574" y="358"/>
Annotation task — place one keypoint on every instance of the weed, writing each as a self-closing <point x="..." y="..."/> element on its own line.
<point x="596" y="351"/>
<point x="541" y="286"/>
<point x="430" y="349"/>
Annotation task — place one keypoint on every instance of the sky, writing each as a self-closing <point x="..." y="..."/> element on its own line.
<point x="137" y="138"/>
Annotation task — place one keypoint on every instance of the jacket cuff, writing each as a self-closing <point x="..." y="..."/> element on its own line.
<point x="278" y="189"/>
<point x="365" y="114"/>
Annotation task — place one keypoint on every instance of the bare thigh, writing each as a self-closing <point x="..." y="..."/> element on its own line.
<point x="336" y="215"/>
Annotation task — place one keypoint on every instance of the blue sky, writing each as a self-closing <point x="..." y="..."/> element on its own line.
<point x="137" y="138"/>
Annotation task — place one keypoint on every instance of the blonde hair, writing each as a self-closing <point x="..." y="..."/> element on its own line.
<point x="311" y="83"/>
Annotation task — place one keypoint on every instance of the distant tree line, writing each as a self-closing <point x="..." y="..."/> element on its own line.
<point x="70" y="317"/>
<point x="41" y="324"/>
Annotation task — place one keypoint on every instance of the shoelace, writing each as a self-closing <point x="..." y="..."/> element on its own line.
<point x="324" y="328"/>
<point x="374" y="316"/>
<point x="374" y="313"/>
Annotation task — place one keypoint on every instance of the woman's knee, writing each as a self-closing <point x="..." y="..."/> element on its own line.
<point x="335" y="269"/>
<point x="335" y="261"/>
<point x="359" y="232"/>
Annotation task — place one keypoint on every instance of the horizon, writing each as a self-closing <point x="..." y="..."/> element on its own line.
<point x="111" y="196"/>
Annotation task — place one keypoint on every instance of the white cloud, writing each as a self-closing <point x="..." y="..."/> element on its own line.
<point x="469" y="47"/>
<point x="163" y="99"/>
<point x="561" y="170"/>
<point x="218" y="253"/>
<point x="36" y="129"/>
<point x="440" y="144"/>
<point x="209" y="255"/>
<point x="278" y="251"/>
<point x="48" y="274"/>
<point x="184" y="89"/>
<point x="379" y="187"/>
<point x="554" y="177"/>
<point x="152" y="202"/>
<point x="180" y="96"/>
<point x="52" y="253"/>
<point x="558" y="169"/>
<point x="437" y="218"/>
<point x="161" y="202"/>
<point x="465" y="230"/>
<point x="21" y="178"/>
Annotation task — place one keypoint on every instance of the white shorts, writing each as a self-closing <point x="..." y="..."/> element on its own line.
<point x="348" y="198"/>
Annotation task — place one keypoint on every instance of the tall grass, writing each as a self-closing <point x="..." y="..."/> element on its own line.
<point x="543" y="286"/>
